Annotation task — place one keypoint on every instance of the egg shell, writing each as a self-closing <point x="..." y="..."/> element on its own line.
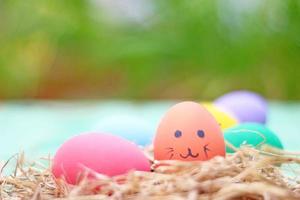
<point x="188" y="132"/>
<point x="130" y="127"/>
<point x="253" y="134"/>
<point x="244" y="105"/>
<point x="224" y="119"/>
<point x="102" y="153"/>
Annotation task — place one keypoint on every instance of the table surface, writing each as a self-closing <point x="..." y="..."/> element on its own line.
<point x="38" y="128"/>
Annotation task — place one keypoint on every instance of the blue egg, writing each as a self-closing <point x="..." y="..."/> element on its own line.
<point x="132" y="128"/>
<point x="253" y="134"/>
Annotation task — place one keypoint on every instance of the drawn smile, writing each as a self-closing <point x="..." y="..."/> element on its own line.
<point x="189" y="154"/>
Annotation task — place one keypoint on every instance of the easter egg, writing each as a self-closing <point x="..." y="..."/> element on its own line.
<point x="188" y="132"/>
<point x="245" y="106"/>
<point x="253" y="134"/>
<point x="130" y="127"/>
<point x="224" y="119"/>
<point x="95" y="152"/>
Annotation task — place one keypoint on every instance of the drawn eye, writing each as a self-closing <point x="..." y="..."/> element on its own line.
<point x="178" y="134"/>
<point x="200" y="133"/>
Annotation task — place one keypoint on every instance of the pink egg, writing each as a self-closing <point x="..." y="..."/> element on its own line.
<point x="102" y="153"/>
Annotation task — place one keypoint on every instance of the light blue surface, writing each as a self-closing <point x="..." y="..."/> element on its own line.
<point x="131" y="127"/>
<point x="39" y="128"/>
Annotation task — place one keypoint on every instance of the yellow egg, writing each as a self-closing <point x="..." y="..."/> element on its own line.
<point x="225" y="120"/>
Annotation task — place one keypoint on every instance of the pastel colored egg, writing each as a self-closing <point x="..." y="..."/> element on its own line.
<point x="224" y="119"/>
<point x="244" y="105"/>
<point x="101" y="153"/>
<point x="188" y="132"/>
<point x="253" y="134"/>
<point x="132" y="128"/>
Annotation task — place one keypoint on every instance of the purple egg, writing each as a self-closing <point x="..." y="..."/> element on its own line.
<point x="244" y="105"/>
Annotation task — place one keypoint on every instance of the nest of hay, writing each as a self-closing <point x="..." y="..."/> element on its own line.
<point x="247" y="174"/>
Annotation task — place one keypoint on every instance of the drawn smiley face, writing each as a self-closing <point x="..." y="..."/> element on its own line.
<point x="188" y="132"/>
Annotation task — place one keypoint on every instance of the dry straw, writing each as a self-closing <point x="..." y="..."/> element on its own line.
<point x="247" y="174"/>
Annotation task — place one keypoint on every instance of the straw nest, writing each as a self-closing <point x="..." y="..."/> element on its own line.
<point x="247" y="174"/>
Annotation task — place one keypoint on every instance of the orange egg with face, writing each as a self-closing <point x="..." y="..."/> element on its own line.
<point x="188" y="132"/>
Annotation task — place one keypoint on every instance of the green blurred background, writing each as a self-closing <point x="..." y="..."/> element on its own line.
<point x="148" y="49"/>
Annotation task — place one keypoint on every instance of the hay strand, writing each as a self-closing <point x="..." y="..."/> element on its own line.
<point x="247" y="174"/>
